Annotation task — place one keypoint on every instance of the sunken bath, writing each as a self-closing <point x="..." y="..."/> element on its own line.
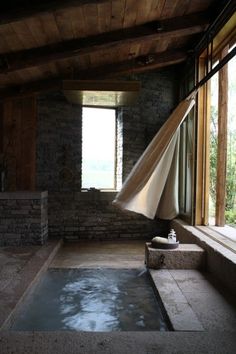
<point x="100" y="299"/>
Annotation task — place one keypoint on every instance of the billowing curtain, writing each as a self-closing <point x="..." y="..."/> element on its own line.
<point x="151" y="188"/>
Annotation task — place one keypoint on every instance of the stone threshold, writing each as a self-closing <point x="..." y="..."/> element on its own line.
<point x="18" y="288"/>
<point x="179" y="311"/>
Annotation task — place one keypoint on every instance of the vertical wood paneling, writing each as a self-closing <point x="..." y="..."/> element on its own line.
<point x="19" y="143"/>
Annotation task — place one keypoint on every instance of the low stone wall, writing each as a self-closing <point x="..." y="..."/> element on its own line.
<point x="23" y="218"/>
<point x="91" y="215"/>
<point x="220" y="261"/>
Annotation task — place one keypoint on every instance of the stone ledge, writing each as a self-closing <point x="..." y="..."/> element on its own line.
<point x="180" y="313"/>
<point x="186" y="256"/>
<point x="18" y="287"/>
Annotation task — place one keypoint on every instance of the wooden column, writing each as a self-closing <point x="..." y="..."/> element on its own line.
<point x="222" y="143"/>
<point x="202" y="152"/>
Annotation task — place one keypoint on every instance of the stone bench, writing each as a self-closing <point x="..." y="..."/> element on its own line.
<point x="186" y="256"/>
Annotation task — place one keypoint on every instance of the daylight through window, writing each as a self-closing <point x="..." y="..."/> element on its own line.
<point x="98" y="148"/>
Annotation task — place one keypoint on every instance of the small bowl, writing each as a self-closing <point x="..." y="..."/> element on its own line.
<point x="165" y="246"/>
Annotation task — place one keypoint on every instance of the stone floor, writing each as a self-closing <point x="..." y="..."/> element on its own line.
<point x="213" y="307"/>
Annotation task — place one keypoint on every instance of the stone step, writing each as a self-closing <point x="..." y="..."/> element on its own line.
<point x="186" y="256"/>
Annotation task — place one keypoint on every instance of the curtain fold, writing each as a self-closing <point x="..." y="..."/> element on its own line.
<point x="151" y="188"/>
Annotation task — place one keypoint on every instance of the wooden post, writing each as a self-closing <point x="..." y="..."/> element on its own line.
<point x="202" y="153"/>
<point x="222" y="142"/>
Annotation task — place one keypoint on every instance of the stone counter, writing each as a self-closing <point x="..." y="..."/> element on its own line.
<point x="23" y="218"/>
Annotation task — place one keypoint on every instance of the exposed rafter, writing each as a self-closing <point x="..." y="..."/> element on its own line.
<point x="140" y="64"/>
<point x="174" y="27"/>
<point x="11" y="11"/>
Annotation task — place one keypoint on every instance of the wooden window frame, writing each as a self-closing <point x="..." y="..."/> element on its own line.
<point x="205" y="61"/>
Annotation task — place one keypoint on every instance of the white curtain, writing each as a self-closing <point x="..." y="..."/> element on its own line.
<point x="151" y="188"/>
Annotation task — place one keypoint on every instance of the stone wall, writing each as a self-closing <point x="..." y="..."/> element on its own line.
<point x="142" y="121"/>
<point x="90" y="215"/>
<point x="23" y="218"/>
<point x="74" y="214"/>
<point x="58" y="144"/>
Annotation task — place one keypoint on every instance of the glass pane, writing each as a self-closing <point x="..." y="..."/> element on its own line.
<point x="98" y="148"/>
<point x="230" y="209"/>
<point x="213" y="147"/>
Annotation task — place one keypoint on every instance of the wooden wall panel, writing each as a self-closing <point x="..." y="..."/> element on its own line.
<point x="19" y="143"/>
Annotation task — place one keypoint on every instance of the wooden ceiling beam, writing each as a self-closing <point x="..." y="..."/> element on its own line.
<point x="11" y="11"/>
<point x="175" y="27"/>
<point x="137" y="65"/>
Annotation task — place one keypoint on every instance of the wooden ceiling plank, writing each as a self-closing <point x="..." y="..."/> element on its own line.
<point x="104" y="17"/>
<point x="130" y="13"/>
<point x="168" y="28"/>
<point x="91" y="19"/>
<point x="25" y="36"/>
<point x="4" y="44"/>
<point x="78" y="23"/>
<point x="117" y="15"/>
<point x="37" y="30"/>
<point x="13" y="41"/>
<point x="157" y="8"/>
<point x="169" y="8"/>
<point x="64" y="25"/>
<point x="143" y="11"/>
<point x="199" y="5"/>
<point x="50" y="28"/>
<point x="182" y="8"/>
<point x="9" y="13"/>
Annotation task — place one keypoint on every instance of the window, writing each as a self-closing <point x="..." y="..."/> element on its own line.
<point x="99" y="148"/>
<point x="216" y="151"/>
<point x="223" y="136"/>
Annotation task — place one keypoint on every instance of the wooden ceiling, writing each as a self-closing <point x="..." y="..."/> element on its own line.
<point x="42" y="42"/>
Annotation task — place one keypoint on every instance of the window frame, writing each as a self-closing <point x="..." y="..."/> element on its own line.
<point x="217" y="49"/>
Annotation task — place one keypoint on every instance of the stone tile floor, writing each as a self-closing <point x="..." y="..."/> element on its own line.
<point x="213" y="306"/>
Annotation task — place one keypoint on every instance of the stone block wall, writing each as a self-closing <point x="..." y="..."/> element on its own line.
<point x="23" y="218"/>
<point x="59" y="134"/>
<point x="91" y="215"/>
<point x="74" y="214"/>
<point x="142" y="121"/>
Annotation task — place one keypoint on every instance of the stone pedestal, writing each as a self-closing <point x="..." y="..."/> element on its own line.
<point x="186" y="256"/>
<point x="23" y="218"/>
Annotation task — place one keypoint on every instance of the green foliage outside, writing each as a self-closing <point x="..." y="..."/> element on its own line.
<point x="230" y="208"/>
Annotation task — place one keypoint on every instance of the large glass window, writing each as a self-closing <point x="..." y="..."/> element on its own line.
<point x="99" y="148"/>
<point x="217" y="138"/>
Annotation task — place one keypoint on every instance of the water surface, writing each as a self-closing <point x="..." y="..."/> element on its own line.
<point x="92" y="300"/>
